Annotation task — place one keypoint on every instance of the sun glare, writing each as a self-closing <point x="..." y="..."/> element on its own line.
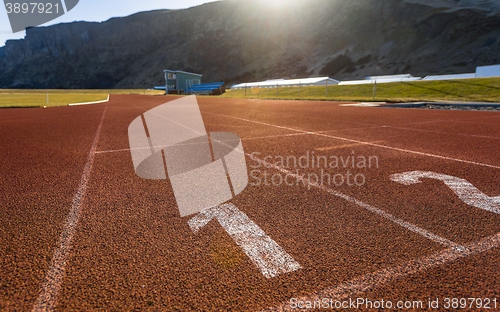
<point x="278" y="3"/>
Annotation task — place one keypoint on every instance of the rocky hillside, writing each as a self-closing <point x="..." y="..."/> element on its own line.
<point x="239" y="41"/>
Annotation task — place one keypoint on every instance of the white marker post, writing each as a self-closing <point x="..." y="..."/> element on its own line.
<point x="264" y="252"/>
<point x="467" y="192"/>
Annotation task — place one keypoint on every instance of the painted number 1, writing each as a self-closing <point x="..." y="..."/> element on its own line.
<point x="264" y="252"/>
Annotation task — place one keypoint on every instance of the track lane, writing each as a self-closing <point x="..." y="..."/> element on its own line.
<point x="43" y="153"/>
<point x="132" y="250"/>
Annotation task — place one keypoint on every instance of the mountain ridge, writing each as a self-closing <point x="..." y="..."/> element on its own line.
<point x="240" y="41"/>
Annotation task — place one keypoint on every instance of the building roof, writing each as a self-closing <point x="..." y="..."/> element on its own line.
<point x="488" y="71"/>
<point x="356" y="82"/>
<point x="381" y="79"/>
<point x="181" y="72"/>
<point x="389" y="77"/>
<point x="286" y="82"/>
<point x="450" y="77"/>
<point x="372" y="81"/>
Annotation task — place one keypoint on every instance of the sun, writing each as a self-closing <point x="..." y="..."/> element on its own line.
<point x="278" y="3"/>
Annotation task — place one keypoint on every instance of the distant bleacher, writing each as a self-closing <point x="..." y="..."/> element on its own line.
<point x="212" y="88"/>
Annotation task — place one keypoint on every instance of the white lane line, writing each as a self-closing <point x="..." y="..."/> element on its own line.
<point x="264" y="252"/>
<point x="386" y="215"/>
<point x="443" y="132"/>
<point x="64" y="6"/>
<point x="273" y="136"/>
<point x="467" y="192"/>
<point x="364" y="104"/>
<point x="334" y="147"/>
<point x="383" y="277"/>
<point x="406" y="225"/>
<point x="364" y="143"/>
<point x="374" y="126"/>
<point x="482" y="123"/>
<point x="89" y="103"/>
<point x="243" y="139"/>
<point x="51" y="287"/>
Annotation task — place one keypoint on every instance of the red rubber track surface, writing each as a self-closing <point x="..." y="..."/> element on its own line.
<point x="132" y="251"/>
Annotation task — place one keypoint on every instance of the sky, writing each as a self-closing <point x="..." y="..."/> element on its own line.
<point x="98" y="11"/>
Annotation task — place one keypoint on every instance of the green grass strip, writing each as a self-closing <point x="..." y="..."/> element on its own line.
<point x="51" y="98"/>
<point x="466" y="90"/>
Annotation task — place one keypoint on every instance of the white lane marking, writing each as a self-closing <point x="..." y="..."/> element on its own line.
<point x="374" y="126"/>
<point x="444" y="132"/>
<point x="482" y="123"/>
<point x="383" y="277"/>
<point x="363" y="142"/>
<point x="243" y="139"/>
<point x="386" y="215"/>
<point x="51" y="287"/>
<point x="364" y="104"/>
<point x="406" y="225"/>
<point x="331" y="148"/>
<point x="63" y="3"/>
<point x="89" y="103"/>
<point x="467" y="192"/>
<point x="264" y="252"/>
<point x="274" y="136"/>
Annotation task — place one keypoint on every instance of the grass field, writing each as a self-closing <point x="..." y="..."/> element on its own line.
<point x="50" y="98"/>
<point x="484" y="90"/>
<point x="467" y="90"/>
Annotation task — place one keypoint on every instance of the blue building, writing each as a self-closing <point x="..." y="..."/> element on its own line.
<point x="178" y="82"/>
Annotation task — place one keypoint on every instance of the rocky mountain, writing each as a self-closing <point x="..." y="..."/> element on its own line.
<point x="240" y="41"/>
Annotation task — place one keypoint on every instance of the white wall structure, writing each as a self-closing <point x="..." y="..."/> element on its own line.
<point x="304" y="82"/>
<point x="392" y="78"/>
<point x="488" y="71"/>
<point x="382" y="79"/>
<point x="481" y="72"/>
<point x="389" y="77"/>
<point x="355" y="82"/>
<point x="450" y="77"/>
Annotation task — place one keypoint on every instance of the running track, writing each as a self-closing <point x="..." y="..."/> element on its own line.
<point x="80" y="231"/>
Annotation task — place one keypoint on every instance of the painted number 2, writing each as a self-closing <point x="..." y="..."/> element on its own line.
<point x="467" y="192"/>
